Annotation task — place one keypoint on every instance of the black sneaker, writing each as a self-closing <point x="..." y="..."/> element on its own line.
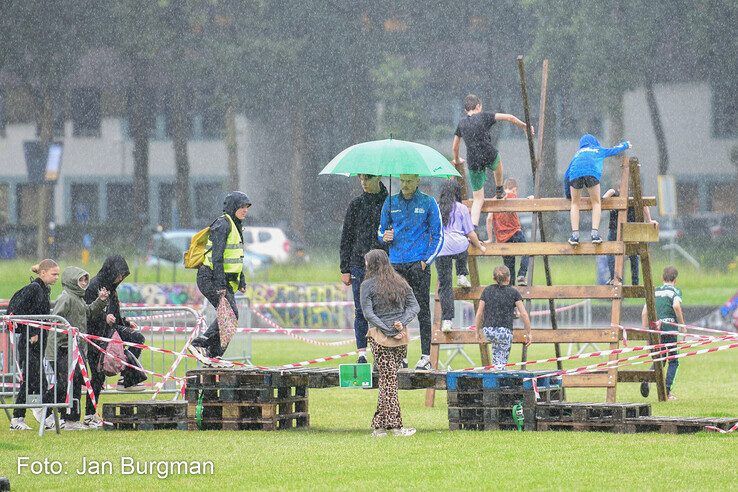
<point x="361" y="360"/>
<point x="500" y="192"/>
<point x="573" y="240"/>
<point x="404" y="364"/>
<point x="596" y="239"/>
<point x="645" y="389"/>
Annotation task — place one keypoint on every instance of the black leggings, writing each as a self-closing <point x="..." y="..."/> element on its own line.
<point x="211" y="338"/>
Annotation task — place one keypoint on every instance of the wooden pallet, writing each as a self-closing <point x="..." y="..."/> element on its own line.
<point x="238" y="411"/>
<point x="496" y="426"/>
<point x="145" y="410"/>
<point x="473" y="380"/>
<point x="226" y="394"/>
<point x="504" y="397"/>
<point x="243" y="378"/>
<point x="288" y="421"/>
<point x="589" y="412"/>
<point x="484" y="415"/>
<point x="617" y="427"/>
<point x="144" y="425"/>
<point x="676" y="425"/>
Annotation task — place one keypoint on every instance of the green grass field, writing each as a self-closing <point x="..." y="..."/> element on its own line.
<point x="337" y="452"/>
<point x="701" y="287"/>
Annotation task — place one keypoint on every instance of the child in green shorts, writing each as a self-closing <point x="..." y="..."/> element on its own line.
<point x="481" y="154"/>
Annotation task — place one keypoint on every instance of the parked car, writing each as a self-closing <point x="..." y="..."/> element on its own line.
<point x="274" y="243"/>
<point x="166" y="248"/>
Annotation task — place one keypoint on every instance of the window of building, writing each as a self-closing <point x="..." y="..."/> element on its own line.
<point x="57" y="124"/>
<point x="167" y="205"/>
<point x="2" y="113"/>
<point x="208" y="200"/>
<point x="86" y="112"/>
<point x="724" y="110"/>
<point x="84" y="199"/>
<point x="4" y="204"/>
<point x="120" y="208"/>
<point x="27" y="203"/>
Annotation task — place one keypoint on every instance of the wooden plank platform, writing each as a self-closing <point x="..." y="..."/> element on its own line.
<point x="590" y="380"/>
<point x="676" y="425"/>
<point x="637" y="376"/>
<point x="555" y="204"/>
<point x="560" y="335"/>
<point x="473" y="380"/>
<point x="553" y="292"/>
<point x="503" y="397"/>
<point x="407" y="379"/>
<point x="589" y="412"/>
<point x="490" y="415"/>
<point x="549" y="249"/>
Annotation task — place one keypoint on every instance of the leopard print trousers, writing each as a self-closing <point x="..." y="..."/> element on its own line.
<point x="388" y="360"/>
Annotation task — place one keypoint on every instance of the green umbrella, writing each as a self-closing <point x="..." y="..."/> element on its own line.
<point x="390" y="158"/>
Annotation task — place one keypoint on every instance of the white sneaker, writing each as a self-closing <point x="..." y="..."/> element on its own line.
<point x="49" y="423"/>
<point x="19" y="424"/>
<point x="463" y="281"/>
<point x="75" y="426"/>
<point x="201" y="354"/>
<point x="379" y="433"/>
<point x="38" y="414"/>
<point x="93" y="421"/>
<point x="404" y="432"/>
<point x="424" y="364"/>
<point x="447" y="325"/>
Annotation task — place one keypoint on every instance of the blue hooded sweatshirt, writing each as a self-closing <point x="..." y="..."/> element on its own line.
<point x="417" y="225"/>
<point x="589" y="159"/>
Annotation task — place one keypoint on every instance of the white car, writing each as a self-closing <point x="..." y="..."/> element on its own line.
<point x="268" y="241"/>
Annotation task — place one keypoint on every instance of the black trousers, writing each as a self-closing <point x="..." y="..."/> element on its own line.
<point x="444" y="265"/>
<point x="211" y="338"/>
<point x="612" y="236"/>
<point x="59" y="392"/>
<point x="419" y="281"/>
<point x="34" y="376"/>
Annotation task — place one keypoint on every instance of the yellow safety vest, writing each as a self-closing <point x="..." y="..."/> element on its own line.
<point x="232" y="256"/>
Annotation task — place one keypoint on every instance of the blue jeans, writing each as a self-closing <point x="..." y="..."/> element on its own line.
<point x="501" y="340"/>
<point x="671" y="369"/>
<point x="360" y="324"/>
<point x="509" y="261"/>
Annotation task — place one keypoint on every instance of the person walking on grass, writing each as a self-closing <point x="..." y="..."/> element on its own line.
<point x="495" y="316"/>
<point x="221" y="274"/>
<point x="507" y="229"/>
<point x="113" y="271"/>
<point x="585" y="171"/>
<point x="458" y="232"/>
<point x="71" y="306"/>
<point x="411" y="224"/>
<point x="358" y="236"/>
<point x="474" y="129"/>
<point x="33" y="299"/>
<point x="389" y="305"/>
<point x="668" y="311"/>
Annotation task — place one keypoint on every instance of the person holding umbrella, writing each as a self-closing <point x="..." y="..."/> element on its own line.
<point x="410" y="222"/>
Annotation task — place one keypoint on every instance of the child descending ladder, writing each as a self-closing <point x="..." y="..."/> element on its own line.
<point x="632" y="238"/>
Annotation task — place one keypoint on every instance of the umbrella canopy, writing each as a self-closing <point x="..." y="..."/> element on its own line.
<point x="390" y="158"/>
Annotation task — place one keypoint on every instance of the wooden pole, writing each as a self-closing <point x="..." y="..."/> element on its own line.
<point x="534" y="169"/>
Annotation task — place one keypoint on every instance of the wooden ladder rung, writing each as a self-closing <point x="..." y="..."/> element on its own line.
<point x="552" y="292"/>
<point x="549" y="249"/>
<point x="554" y="204"/>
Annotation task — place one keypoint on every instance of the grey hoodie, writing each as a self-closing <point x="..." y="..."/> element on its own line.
<point x="71" y="306"/>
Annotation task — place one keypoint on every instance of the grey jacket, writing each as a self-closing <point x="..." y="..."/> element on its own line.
<point x="382" y="314"/>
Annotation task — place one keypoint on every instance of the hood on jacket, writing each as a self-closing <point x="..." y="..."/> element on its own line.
<point x="233" y="201"/>
<point x="70" y="280"/>
<point x="588" y="140"/>
<point x="112" y="267"/>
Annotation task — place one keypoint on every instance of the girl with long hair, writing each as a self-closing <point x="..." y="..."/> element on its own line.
<point x="389" y="305"/>
<point x="33" y="299"/>
<point x="458" y="232"/>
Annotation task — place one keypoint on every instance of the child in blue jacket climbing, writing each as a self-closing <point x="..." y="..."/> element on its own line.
<point x="585" y="171"/>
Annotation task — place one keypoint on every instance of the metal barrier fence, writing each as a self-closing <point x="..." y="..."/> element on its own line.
<point x="25" y="370"/>
<point x="167" y="327"/>
<point x="576" y="315"/>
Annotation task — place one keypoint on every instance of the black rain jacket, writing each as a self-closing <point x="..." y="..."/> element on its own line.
<point x="360" y="226"/>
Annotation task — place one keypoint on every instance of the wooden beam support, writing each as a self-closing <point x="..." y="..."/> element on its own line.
<point x="549" y="249"/>
<point x="639" y="232"/>
<point x="637" y="376"/>
<point x="552" y="292"/>
<point x="634" y="292"/>
<point x="544" y="335"/>
<point x="591" y="380"/>
<point x="553" y="204"/>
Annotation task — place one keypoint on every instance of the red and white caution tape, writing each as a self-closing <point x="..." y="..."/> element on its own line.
<point x="547" y="312"/>
<point x="722" y="431"/>
<point x="287" y="305"/>
<point x="276" y="326"/>
<point x="180" y="356"/>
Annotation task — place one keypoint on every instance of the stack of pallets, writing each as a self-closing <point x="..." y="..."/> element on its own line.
<point x="145" y="415"/>
<point x="485" y="400"/>
<point x="604" y="417"/>
<point x="238" y="399"/>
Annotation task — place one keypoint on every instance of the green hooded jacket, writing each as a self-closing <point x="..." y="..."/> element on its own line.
<point x="71" y="306"/>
